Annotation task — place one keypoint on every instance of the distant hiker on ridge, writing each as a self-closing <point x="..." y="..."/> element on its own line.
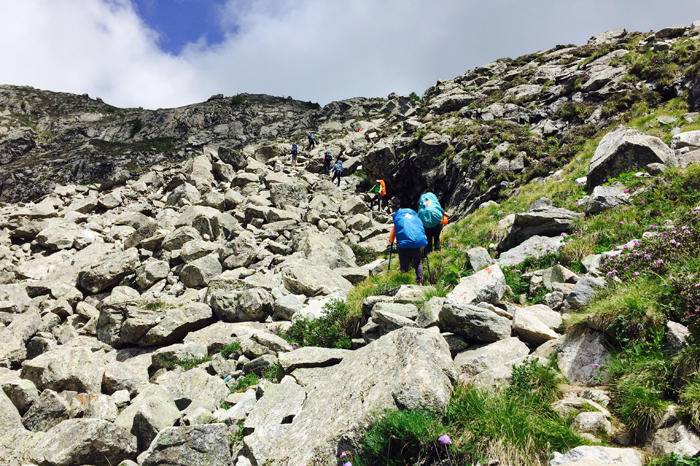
<point x="337" y="170"/>
<point x="409" y="234"/>
<point x="433" y="217"/>
<point x="295" y="153"/>
<point x="312" y="140"/>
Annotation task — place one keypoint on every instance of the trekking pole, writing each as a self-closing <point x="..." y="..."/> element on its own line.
<point x="391" y="248"/>
<point x="426" y="263"/>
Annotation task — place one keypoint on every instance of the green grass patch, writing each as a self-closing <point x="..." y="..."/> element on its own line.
<point x="674" y="460"/>
<point x="514" y="425"/>
<point x="186" y="364"/>
<point x="670" y="197"/>
<point x="245" y="382"/>
<point x="690" y="401"/>
<point x="376" y="285"/>
<point x="638" y="378"/>
<point x="364" y="255"/>
<point x="230" y="349"/>
<point x="329" y="330"/>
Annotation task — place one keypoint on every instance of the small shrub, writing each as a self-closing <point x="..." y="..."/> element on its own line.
<point x="535" y="380"/>
<point x="638" y="378"/>
<point x="230" y="349"/>
<point x="675" y="460"/>
<point x="690" y="401"/>
<point x="328" y="331"/>
<point x="414" y="97"/>
<point x="237" y="100"/>
<point x="400" y="437"/>
<point x="246" y="382"/>
<point x="186" y="364"/>
<point x="273" y="373"/>
<point x="364" y="255"/>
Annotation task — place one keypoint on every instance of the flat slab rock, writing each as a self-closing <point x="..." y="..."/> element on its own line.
<point x="407" y="368"/>
<point x="311" y="356"/>
<point x="598" y="456"/>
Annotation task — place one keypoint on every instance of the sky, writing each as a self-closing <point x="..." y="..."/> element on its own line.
<point x="167" y="53"/>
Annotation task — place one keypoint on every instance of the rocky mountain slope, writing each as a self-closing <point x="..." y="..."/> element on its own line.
<point x="174" y="291"/>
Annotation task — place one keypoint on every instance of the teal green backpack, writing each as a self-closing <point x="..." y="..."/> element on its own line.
<point x="429" y="210"/>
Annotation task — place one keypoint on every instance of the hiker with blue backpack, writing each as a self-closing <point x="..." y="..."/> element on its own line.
<point x="433" y="217"/>
<point x="295" y="153"/>
<point x="409" y="233"/>
<point x="337" y="170"/>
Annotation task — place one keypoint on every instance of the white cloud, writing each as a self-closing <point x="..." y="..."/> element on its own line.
<point x="317" y="50"/>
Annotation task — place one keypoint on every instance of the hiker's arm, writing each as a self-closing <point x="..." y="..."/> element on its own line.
<point x="392" y="236"/>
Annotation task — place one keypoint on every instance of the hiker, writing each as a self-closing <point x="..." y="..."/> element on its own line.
<point x="337" y="170"/>
<point x="312" y="140"/>
<point x="327" y="159"/>
<point x="409" y="234"/>
<point x="295" y="153"/>
<point x="433" y="217"/>
<point x="380" y="195"/>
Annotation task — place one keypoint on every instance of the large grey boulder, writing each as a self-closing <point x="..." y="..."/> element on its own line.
<point x="200" y="445"/>
<point x="606" y="197"/>
<point x="50" y="409"/>
<point x="74" y="368"/>
<point x="622" y="150"/>
<point x="85" y="441"/>
<point x="535" y="247"/>
<point x="151" y="322"/>
<point x="474" y="323"/>
<point x="408" y="369"/>
<point x="130" y="374"/>
<point x="15" y="336"/>
<point x="194" y="388"/>
<point x="598" y="456"/>
<point x="584" y="291"/>
<point x="309" y="279"/>
<point x="280" y="403"/>
<point x="231" y="303"/>
<point x="479" y="258"/>
<point x="582" y="357"/>
<point x="152" y="413"/>
<point x="22" y="392"/>
<point x="677" y="439"/>
<point x="325" y="248"/>
<point x="501" y="354"/>
<point x="487" y="285"/>
<point x="542" y="220"/>
<point x="311" y="356"/>
<point x="530" y="328"/>
<point x="199" y="272"/>
<point x="687" y="139"/>
<point x="109" y="271"/>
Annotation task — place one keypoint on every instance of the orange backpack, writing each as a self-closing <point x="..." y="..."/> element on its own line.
<point x="382" y="188"/>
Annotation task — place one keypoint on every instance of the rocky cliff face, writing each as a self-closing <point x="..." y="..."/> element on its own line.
<point x="151" y="261"/>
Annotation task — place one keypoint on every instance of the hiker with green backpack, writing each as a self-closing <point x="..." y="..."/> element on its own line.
<point x="433" y="217"/>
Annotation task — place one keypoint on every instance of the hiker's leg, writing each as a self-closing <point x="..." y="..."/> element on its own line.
<point x="438" y="232"/>
<point x="429" y="233"/>
<point x="405" y="259"/>
<point x="418" y="265"/>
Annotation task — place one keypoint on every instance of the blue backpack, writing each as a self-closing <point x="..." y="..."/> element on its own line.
<point x="338" y="167"/>
<point x="295" y="148"/>
<point x="429" y="210"/>
<point x="409" y="230"/>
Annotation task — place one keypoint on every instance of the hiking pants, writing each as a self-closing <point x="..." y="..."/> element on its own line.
<point x="377" y="199"/>
<point x="326" y="167"/>
<point x="433" y="235"/>
<point x="312" y="144"/>
<point x="411" y="258"/>
<point x="336" y="176"/>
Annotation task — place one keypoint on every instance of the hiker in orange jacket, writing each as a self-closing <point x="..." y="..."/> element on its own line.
<point x="380" y="195"/>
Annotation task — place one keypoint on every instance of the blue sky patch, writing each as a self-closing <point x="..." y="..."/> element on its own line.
<point x="181" y="21"/>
